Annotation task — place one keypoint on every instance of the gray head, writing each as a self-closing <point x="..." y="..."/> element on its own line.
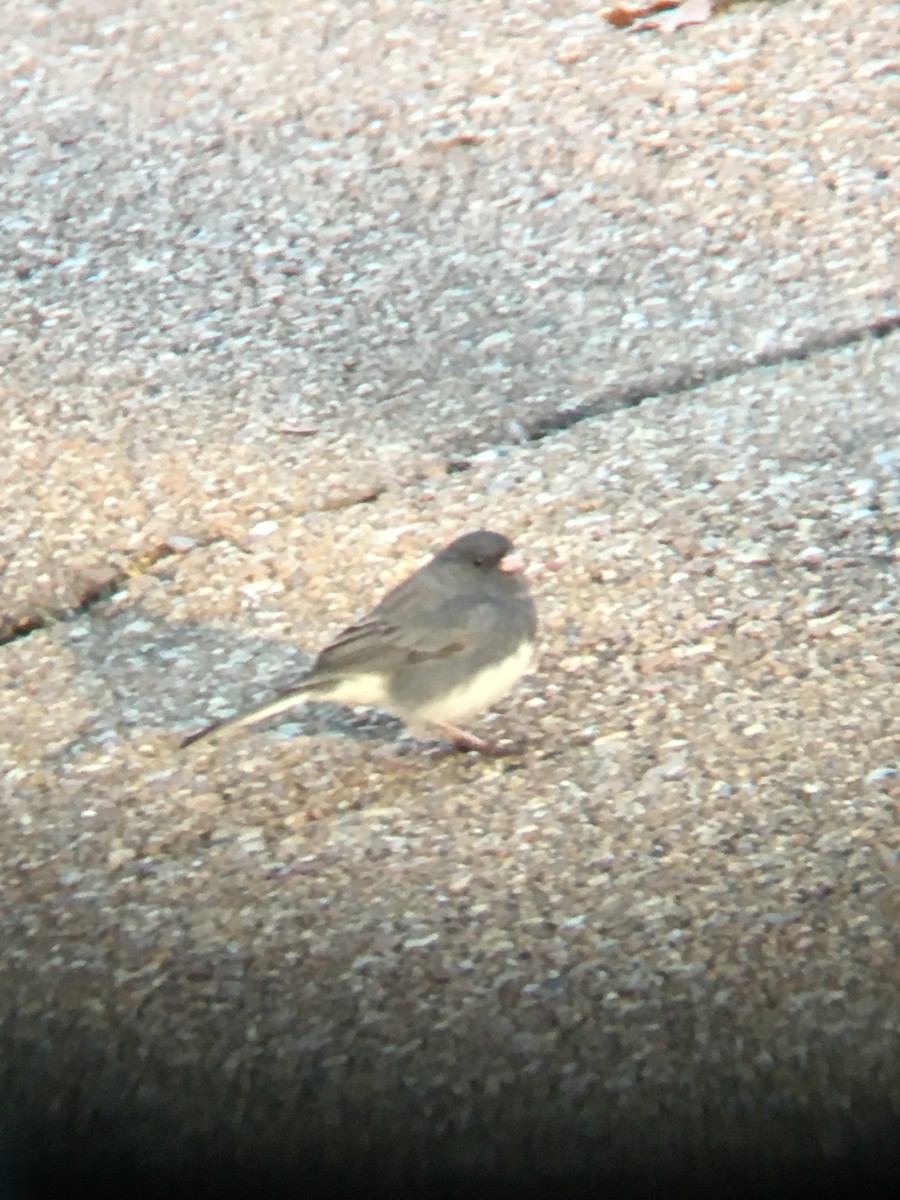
<point x="481" y="548"/>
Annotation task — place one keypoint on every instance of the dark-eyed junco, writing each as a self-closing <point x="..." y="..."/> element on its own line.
<point x="443" y="646"/>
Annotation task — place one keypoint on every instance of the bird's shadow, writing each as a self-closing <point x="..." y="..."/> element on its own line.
<point x="135" y="669"/>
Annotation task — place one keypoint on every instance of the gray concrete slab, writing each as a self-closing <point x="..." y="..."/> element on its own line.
<point x="295" y="295"/>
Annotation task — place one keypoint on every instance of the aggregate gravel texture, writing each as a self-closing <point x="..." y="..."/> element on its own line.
<point x="293" y="295"/>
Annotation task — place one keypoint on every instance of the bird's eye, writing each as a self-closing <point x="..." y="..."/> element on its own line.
<point x="479" y="561"/>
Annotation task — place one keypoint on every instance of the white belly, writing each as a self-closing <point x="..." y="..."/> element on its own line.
<point x="481" y="692"/>
<point x="361" y="690"/>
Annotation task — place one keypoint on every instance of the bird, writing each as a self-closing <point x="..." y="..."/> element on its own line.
<point x="443" y="646"/>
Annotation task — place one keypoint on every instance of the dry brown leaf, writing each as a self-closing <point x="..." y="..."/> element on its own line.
<point x="667" y="15"/>
<point x="691" y="12"/>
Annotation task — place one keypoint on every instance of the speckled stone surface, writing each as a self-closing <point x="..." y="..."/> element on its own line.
<point x="295" y="295"/>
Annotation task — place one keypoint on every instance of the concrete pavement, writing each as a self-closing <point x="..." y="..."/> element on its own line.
<point x="296" y="293"/>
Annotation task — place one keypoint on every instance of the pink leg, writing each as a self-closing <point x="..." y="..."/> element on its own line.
<point x="468" y="741"/>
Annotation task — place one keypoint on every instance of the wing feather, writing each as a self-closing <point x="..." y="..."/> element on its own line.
<point x="384" y="644"/>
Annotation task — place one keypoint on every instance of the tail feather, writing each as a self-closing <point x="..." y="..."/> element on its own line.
<point x="296" y="695"/>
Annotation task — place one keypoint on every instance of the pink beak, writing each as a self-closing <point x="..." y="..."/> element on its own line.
<point x="512" y="562"/>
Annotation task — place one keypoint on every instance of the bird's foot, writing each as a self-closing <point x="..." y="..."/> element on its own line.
<point x="468" y="742"/>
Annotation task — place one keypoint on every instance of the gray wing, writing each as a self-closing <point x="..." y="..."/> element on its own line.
<point x="400" y="634"/>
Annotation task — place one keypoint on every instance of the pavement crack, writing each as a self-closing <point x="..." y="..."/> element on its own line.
<point x="103" y="586"/>
<point x="687" y="378"/>
<point x="94" y="593"/>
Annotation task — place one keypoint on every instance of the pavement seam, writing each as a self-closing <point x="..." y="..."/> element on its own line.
<point x="686" y="379"/>
<point x="141" y="561"/>
<point x="682" y="379"/>
<point x="94" y="593"/>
